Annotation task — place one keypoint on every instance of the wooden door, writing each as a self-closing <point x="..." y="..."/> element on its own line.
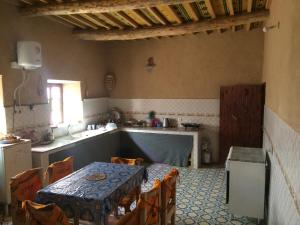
<point x="241" y="117"/>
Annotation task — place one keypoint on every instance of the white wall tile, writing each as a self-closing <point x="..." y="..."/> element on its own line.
<point x="94" y="106"/>
<point x="284" y="144"/>
<point x="205" y="111"/>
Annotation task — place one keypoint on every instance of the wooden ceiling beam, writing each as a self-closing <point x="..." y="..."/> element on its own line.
<point x="93" y="6"/>
<point x="171" y="30"/>
<point x="249" y="9"/>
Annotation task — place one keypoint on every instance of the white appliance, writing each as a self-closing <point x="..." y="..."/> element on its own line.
<point x="14" y="159"/>
<point x="29" y="54"/>
<point x="245" y="175"/>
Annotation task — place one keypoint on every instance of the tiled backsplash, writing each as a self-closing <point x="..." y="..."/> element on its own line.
<point x="283" y="144"/>
<point x="94" y="109"/>
<point x="39" y="117"/>
<point x="204" y="111"/>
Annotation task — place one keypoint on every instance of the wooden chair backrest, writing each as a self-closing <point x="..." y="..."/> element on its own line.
<point x="149" y="205"/>
<point x="37" y="214"/>
<point x="59" y="169"/>
<point x="131" y="162"/>
<point x="24" y="186"/>
<point x="168" y="194"/>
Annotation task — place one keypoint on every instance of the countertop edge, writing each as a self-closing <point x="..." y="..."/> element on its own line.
<point x="178" y="131"/>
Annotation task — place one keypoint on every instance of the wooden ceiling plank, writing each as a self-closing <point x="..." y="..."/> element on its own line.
<point x="230" y="7"/>
<point x="59" y="20"/>
<point x="129" y="20"/>
<point x="94" y="6"/>
<point x="249" y="9"/>
<point x="68" y="20"/>
<point x="43" y="1"/>
<point x="95" y="20"/>
<point x="83" y="21"/>
<point x="158" y="16"/>
<point x="113" y="21"/>
<point x="189" y="9"/>
<point x="210" y="9"/>
<point x="27" y="2"/>
<point x="142" y="17"/>
<point x="231" y="11"/>
<point x="174" y="14"/>
<point x="268" y="4"/>
<point x="171" y="30"/>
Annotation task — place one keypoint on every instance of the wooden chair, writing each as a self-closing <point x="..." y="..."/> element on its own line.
<point x="149" y="205"/>
<point x="147" y="211"/>
<point x="59" y="169"/>
<point x="38" y="214"/>
<point x="132" y="162"/>
<point x="126" y="201"/>
<point x="168" y="197"/>
<point x="24" y="186"/>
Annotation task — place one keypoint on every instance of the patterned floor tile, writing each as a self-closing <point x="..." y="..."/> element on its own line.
<point x="200" y="196"/>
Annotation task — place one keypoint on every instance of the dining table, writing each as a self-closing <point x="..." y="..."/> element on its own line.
<point x="93" y="192"/>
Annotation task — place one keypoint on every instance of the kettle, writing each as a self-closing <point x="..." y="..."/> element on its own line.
<point x="166" y="122"/>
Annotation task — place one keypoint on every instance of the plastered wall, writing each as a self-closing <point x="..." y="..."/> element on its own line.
<point x="64" y="57"/>
<point x="193" y="66"/>
<point x="281" y="69"/>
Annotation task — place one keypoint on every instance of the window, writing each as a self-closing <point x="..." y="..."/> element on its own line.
<point x="55" y="99"/>
<point x="65" y="102"/>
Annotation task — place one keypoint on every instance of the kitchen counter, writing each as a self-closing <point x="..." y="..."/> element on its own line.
<point x="14" y="144"/>
<point x="157" y="130"/>
<point x="66" y="141"/>
<point x="42" y="154"/>
<point x="85" y="135"/>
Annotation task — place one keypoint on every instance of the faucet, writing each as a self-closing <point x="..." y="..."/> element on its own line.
<point x="68" y="129"/>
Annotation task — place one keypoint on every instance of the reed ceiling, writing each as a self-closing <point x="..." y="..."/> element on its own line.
<point x="105" y="20"/>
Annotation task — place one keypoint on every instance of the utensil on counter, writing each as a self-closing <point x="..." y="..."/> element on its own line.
<point x="166" y="122"/>
<point x="191" y="125"/>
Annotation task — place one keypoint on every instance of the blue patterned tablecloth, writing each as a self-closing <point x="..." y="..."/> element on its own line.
<point x="93" y="200"/>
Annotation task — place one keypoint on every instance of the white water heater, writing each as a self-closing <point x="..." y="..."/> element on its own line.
<point x="29" y="54"/>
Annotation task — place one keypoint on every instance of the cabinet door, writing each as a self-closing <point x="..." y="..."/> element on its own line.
<point x="241" y="117"/>
<point x="16" y="159"/>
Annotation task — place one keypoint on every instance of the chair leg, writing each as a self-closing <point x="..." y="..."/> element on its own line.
<point x="173" y="219"/>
